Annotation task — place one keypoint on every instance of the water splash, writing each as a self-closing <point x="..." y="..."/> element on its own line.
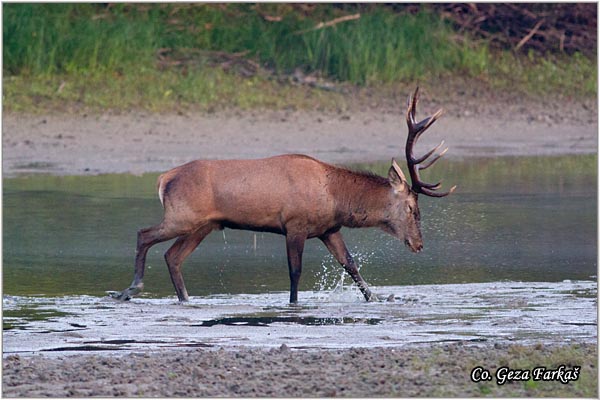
<point x="333" y="284"/>
<point x="329" y="274"/>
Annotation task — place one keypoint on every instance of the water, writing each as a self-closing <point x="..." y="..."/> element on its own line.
<point x="495" y="312"/>
<point x="527" y="219"/>
<point x="512" y="219"/>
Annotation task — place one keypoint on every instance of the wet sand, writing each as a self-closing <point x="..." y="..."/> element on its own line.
<point x="426" y="343"/>
<point x="443" y="370"/>
<point x="138" y="142"/>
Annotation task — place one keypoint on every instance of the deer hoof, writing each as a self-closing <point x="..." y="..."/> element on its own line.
<point x="373" y="298"/>
<point x="119" y="295"/>
<point x="126" y="294"/>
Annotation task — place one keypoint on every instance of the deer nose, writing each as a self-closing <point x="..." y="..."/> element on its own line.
<point x="414" y="247"/>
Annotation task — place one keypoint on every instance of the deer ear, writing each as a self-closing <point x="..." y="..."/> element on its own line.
<point x="397" y="178"/>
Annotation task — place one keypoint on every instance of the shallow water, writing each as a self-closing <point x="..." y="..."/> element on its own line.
<point x="511" y="219"/>
<point x="496" y="312"/>
<point x="530" y="219"/>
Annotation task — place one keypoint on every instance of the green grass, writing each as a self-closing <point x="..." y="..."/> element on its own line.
<point x="569" y="75"/>
<point x="208" y="90"/>
<point x="44" y="39"/>
<point x="528" y="358"/>
<point x="379" y="47"/>
<point x="383" y="47"/>
<point x="91" y="56"/>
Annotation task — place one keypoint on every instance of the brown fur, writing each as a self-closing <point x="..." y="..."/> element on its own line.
<point x="293" y="195"/>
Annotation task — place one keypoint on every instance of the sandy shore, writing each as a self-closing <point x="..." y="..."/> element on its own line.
<point x="441" y="371"/>
<point x="139" y="142"/>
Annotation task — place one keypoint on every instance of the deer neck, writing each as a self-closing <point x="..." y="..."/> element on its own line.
<point x="362" y="199"/>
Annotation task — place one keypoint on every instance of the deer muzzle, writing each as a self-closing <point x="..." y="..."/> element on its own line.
<point x="414" y="245"/>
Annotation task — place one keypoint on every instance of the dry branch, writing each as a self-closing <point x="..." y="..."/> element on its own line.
<point x="529" y="35"/>
<point x="566" y="27"/>
<point x="333" y="22"/>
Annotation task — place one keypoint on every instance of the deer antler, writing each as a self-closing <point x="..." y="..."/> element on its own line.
<point x="414" y="132"/>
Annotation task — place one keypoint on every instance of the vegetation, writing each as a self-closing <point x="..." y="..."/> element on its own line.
<point x="170" y="56"/>
<point x="527" y="358"/>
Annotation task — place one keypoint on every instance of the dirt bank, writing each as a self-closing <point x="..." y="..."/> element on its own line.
<point x="138" y="142"/>
<point x="441" y="371"/>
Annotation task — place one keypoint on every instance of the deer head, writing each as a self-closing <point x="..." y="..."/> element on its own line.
<point x="404" y="222"/>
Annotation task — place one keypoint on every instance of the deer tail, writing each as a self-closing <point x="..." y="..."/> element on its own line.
<point x="160" y="186"/>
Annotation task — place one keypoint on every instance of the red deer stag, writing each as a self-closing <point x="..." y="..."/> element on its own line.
<point x="292" y="195"/>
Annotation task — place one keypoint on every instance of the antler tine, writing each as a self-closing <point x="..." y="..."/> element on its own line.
<point x="416" y="129"/>
<point x="412" y="108"/>
<point x="432" y="186"/>
<point x="433" y="118"/>
<point x="429" y="153"/>
<point x="433" y="160"/>
<point x="414" y="132"/>
<point x="427" y="122"/>
<point x="431" y="193"/>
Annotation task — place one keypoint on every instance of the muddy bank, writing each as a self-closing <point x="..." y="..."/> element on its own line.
<point x="425" y="343"/>
<point x="139" y="142"/>
<point x="440" y="371"/>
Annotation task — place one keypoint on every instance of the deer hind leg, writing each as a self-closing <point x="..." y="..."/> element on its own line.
<point x="146" y="238"/>
<point x="178" y="252"/>
<point x="336" y="246"/>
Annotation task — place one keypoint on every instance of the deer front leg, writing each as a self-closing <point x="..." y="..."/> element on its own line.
<point x="336" y="246"/>
<point x="295" y="247"/>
